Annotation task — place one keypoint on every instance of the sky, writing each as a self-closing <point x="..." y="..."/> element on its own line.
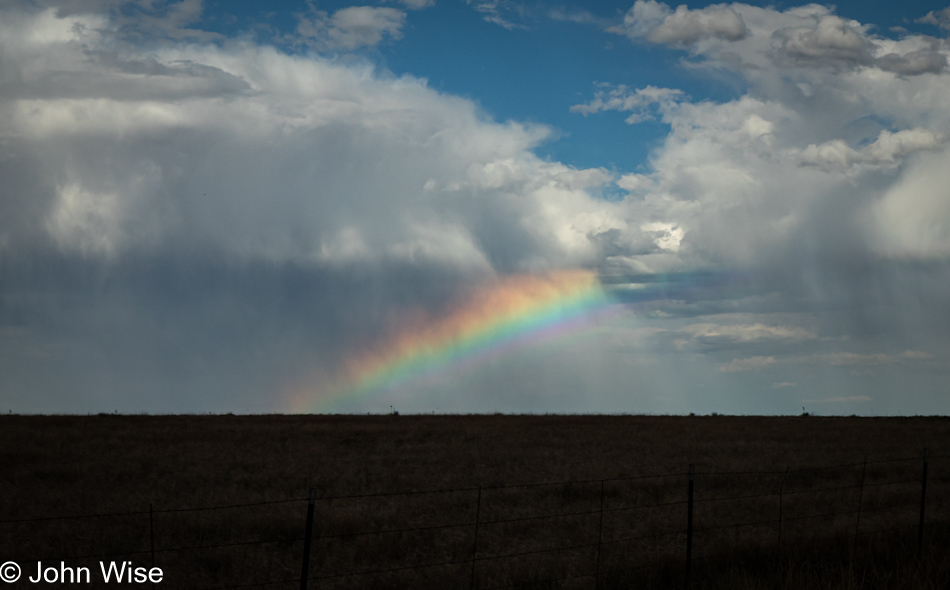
<point x="474" y="206"/>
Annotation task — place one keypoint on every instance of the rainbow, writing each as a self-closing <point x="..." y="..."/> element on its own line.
<point x="496" y="317"/>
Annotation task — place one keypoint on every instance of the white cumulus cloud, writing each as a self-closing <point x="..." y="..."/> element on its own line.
<point x="637" y="101"/>
<point x="264" y="155"/>
<point x="940" y="18"/>
<point x="887" y="151"/>
<point x="822" y="92"/>
<point x="912" y="218"/>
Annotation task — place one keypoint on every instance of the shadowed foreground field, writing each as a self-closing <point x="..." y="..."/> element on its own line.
<point x="221" y="501"/>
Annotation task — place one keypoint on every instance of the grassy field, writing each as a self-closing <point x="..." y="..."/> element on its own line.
<point x="851" y="526"/>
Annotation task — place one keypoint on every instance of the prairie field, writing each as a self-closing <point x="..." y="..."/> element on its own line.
<point x="482" y="501"/>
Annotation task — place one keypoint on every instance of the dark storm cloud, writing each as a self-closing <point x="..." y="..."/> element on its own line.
<point x="137" y="21"/>
<point x="177" y="82"/>
<point x="658" y="23"/>
<point x="133" y="80"/>
<point x="166" y="333"/>
<point x="830" y="42"/>
<point x="913" y="63"/>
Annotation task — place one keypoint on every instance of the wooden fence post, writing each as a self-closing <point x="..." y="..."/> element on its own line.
<point x="305" y="568"/>
<point x="923" y="503"/>
<point x="689" y="526"/>
<point x="478" y="510"/>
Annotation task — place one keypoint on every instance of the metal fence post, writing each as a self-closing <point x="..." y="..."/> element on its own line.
<point x="689" y="525"/>
<point x="600" y="536"/>
<point x="781" y="500"/>
<point x="923" y="503"/>
<point x="305" y="568"/>
<point x="151" y="535"/>
<point x="857" y="520"/>
<point x="478" y="510"/>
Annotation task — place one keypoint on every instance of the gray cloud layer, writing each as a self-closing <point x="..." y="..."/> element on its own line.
<point x="656" y="22"/>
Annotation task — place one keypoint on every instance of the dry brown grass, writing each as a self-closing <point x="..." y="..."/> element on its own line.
<point x="103" y="464"/>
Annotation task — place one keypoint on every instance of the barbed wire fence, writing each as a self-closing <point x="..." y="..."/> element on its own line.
<point x="579" y="533"/>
